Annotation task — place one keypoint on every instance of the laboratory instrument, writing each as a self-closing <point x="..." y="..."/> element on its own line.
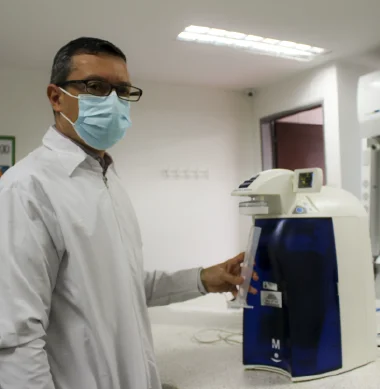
<point x="369" y="120"/>
<point x="315" y="313"/>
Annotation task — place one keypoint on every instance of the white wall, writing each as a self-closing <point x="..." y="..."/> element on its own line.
<point x="24" y="108"/>
<point x="184" y="223"/>
<point x="316" y="86"/>
<point x="187" y="222"/>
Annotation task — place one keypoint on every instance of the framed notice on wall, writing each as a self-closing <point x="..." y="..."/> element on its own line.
<point x="7" y="153"/>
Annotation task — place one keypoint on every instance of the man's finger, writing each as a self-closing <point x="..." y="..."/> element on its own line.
<point x="252" y="290"/>
<point x="231" y="279"/>
<point x="255" y="276"/>
<point x="237" y="260"/>
<point x="236" y="270"/>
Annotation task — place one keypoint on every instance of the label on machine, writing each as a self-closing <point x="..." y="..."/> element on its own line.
<point x="271" y="299"/>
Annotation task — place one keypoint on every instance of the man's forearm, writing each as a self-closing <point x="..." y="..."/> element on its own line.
<point x="166" y="288"/>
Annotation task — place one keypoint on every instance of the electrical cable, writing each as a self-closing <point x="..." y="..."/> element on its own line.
<point x="228" y="336"/>
<point x="220" y="335"/>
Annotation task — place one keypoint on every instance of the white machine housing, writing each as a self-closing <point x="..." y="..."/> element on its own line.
<point x="281" y="194"/>
<point x="369" y="120"/>
<point x="369" y="105"/>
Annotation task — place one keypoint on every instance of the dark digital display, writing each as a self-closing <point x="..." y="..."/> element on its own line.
<point x="305" y="180"/>
<point x="247" y="183"/>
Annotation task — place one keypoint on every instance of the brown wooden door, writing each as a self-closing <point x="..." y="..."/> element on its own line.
<point x="299" y="146"/>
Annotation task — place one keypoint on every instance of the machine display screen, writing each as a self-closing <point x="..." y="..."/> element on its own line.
<point x="305" y="180"/>
<point x="247" y="183"/>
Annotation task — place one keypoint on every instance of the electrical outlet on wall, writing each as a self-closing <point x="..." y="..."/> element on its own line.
<point x="186" y="174"/>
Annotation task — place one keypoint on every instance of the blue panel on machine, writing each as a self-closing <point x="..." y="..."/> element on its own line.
<point x="295" y="323"/>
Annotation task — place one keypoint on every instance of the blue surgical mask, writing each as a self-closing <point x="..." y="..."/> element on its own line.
<point x="102" y="121"/>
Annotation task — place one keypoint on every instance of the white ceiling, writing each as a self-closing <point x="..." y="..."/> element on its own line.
<point x="31" y="31"/>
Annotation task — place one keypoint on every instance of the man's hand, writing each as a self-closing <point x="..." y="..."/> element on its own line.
<point x="225" y="277"/>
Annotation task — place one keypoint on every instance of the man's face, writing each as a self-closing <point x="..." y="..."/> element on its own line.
<point x="84" y="67"/>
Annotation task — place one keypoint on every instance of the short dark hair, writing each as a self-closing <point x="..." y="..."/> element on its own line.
<point x="62" y="64"/>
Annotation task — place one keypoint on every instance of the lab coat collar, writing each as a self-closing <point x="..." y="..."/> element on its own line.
<point x="69" y="154"/>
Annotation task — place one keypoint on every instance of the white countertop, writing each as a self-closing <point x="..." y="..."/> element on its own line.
<point x="190" y="365"/>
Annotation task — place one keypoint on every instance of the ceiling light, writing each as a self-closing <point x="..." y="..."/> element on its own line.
<point x="251" y="43"/>
<point x="317" y="50"/>
<point x="254" y="38"/>
<point x="224" y="41"/>
<point x="278" y="49"/>
<point x="287" y="44"/>
<point x="271" y="41"/>
<point x="187" y="36"/>
<point x="217" y="32"/>
<point x="204" y="38"/>
<point x="235" y="35"/>
<point x="303" y="47"/>
<point x="243" y="44"/>
<point x="197" y="30"/>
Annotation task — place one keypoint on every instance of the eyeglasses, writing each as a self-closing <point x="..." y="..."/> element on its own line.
<point x="104" y="88"/>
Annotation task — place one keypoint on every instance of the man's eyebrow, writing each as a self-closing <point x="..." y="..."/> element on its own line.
<point x="94" y="77"/>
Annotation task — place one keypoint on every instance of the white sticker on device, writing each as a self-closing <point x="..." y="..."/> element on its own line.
<point x="271" y="299"/>
<point x="270" y="286"/>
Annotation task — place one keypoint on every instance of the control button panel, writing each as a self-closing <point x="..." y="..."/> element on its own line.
<point x="304" y="206"/>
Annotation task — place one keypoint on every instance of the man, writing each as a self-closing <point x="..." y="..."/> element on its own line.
<point x="73" y="292"/>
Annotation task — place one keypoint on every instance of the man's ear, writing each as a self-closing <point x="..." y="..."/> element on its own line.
<point x="55" y="96"/>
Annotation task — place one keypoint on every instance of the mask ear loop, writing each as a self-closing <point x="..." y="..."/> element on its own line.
<point x="65" y="117"/>
<point x="69" y="94"/>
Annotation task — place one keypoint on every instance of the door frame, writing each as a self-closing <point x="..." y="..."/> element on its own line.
<point x="271" y="119"/>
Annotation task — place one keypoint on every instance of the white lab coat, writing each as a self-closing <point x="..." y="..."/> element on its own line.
<point x="73" y="292"/>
